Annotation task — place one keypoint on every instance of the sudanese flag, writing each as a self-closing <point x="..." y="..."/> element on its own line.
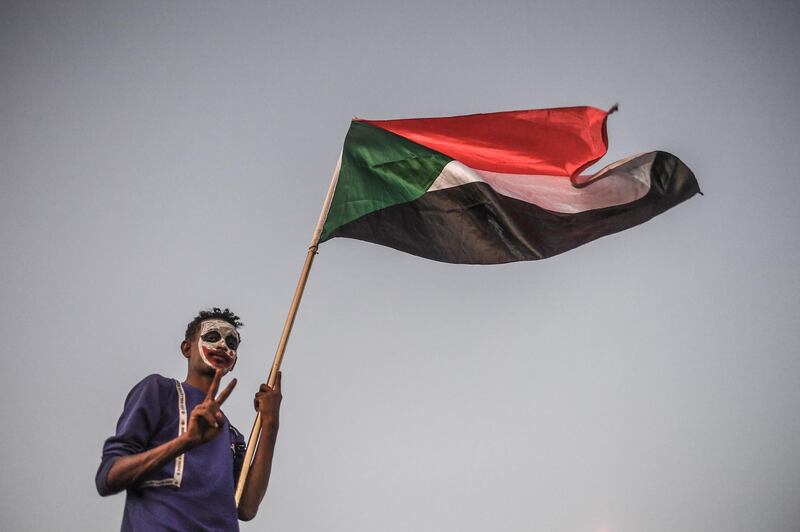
<point x="495" y="188"/>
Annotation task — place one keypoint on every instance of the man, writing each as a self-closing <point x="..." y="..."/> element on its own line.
<point x="174" y="450"/>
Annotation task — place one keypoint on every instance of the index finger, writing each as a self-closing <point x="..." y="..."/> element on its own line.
<point x="226" y="392"/>
<point x="212" y="390"/>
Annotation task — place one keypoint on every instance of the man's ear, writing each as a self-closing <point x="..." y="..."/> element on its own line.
<point x="186" y="347"/>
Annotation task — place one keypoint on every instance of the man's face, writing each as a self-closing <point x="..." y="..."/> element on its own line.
<point x="217" y="342"/>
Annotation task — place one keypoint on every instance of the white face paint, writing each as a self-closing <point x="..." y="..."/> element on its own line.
<point x="217" y="342"/>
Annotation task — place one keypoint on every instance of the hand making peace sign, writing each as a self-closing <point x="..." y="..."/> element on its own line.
<point x="206" y="420"/>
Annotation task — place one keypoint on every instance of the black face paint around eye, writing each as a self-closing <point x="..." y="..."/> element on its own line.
<point x="212" y="336"/>
<point x="232" y="342"/>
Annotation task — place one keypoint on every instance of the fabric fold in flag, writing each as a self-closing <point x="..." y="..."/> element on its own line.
<point x="495" y="188"/>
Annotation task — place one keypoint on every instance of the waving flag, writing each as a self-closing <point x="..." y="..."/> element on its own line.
<point x="484" y="189"/>
<point x="494" y="188"/>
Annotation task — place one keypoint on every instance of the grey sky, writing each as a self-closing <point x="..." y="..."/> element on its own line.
<point x="160" y="158"/>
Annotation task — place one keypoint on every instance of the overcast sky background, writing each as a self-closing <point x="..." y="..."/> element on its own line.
<point x="158" y="158"/>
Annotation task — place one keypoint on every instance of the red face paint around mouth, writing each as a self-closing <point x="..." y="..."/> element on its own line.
<point x="217" y="358"/>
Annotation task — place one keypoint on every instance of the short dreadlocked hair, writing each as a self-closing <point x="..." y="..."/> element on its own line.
<point x="212" y="314"/>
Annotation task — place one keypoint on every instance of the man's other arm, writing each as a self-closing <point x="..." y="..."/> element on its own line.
<point x="268" y="404"/>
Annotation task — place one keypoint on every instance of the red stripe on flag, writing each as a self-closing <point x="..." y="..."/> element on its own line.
<point x="561" y="141"/>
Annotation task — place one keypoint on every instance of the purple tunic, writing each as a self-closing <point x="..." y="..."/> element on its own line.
<point x="195" y="491"/>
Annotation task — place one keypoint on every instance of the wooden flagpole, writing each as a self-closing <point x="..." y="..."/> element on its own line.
<point x="252" y="442"/>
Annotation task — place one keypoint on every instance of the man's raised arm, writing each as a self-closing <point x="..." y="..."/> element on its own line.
<point x="205" y="424"/>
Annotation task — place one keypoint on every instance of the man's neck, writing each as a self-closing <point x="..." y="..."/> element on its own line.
<point x="199" y="380"/>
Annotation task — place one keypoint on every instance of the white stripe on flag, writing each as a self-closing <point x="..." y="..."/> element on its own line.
<point x="616" y="184"/>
